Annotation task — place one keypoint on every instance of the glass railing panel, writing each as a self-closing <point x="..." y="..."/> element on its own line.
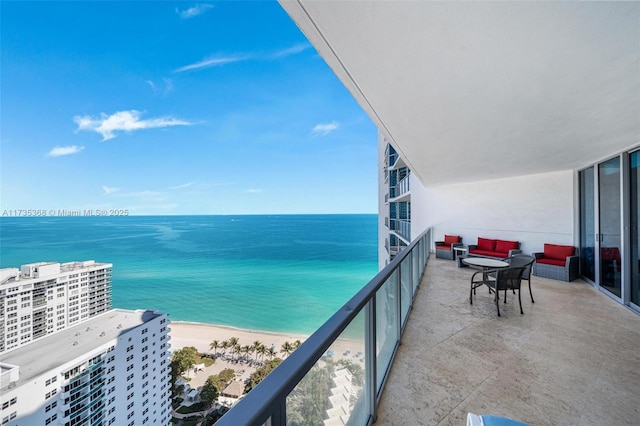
<point x="300" y="390"/>
<point x="402" y="187"/>
<point x="386" y="326"/>
<point x="415" y="269"/>
<point x="425" y="243"/>
<point x="402" y="227"/>
<point x="333" y="391"/>
<point x="406" y="292"/>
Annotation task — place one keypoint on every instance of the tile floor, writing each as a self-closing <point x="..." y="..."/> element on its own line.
<point x="573" y="358"/>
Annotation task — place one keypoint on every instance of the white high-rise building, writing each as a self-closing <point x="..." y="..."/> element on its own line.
<point x="397" y="189"/>
<point x="395" y="203"/>
<point x="45" y="297"/>
<point x="111" y="369"/>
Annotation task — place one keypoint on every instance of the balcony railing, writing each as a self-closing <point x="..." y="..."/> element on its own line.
<point x="393" y="157"/>
<point x="403" y="186"/>
<point x="345" y="363"/>
<point x="402" y="228"/>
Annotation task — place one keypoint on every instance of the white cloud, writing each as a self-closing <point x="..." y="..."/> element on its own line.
<point x="220" y="60"/>
<point x="254" y="191"/>
<point x="194" y="11"/>
<point x="213" y="62"/>
<point x="109" y="190"/>
<point x="59" y="151"/>
<point x="293" y="50"/>
<point x="324" y="129"/>
<point x="164" y="89"/>
<point x="184" y="185"/>
<point x="126" y="121"/>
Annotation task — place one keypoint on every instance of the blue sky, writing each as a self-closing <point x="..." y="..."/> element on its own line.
<point x="176" y="108"/>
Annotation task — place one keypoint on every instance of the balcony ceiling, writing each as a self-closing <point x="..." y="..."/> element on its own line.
<point x="480" y="90"/>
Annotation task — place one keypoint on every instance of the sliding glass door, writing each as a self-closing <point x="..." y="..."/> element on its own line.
<point x="610" y="278"/>
<point x="634" y="228"/>
<point x="587" y="225"/>
<point x="609" y="200"/>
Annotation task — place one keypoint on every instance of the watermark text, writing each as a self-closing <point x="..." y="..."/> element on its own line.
<point x="63" y="212"/>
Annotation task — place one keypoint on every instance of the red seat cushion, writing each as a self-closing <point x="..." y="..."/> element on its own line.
<point x="444" y="246"/>
<point x="488" y="253"/>
<point x="611" y="254"/>
<point x="450" y="239"/>
<point x="558" y="252"/>
<point x="504" y="246"/>
<point x="550" y="261"/>
<point x="486" y="244"/>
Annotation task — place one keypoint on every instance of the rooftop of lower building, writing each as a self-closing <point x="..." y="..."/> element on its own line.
<point x="56" y="349"/>
<point x="42" y="270"/>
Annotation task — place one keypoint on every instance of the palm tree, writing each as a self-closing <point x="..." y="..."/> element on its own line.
<point x="271" y="352"/>
<point x="256" y="346"/>
<point x="261" y="350"/>
<point x="225" y="345"/>
<point x="246" y="350"/>
<point x="286" y="348"/>
<point x="296" y="344"/>
<point x="215" y="345"/>
<point x="233" y="343"/>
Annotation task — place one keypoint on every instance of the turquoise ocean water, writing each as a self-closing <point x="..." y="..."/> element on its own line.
<point x="284" y="273"/>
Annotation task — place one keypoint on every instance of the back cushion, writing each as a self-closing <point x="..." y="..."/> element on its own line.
<point x="450" y="239"/>
<point x="503" y="246"/>
<point x="485" y="244"/>
<point x="555" y="251"/>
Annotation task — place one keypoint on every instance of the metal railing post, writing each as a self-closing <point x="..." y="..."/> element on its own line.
<point x="371" y="361"/>
<point x="399" y="303"/>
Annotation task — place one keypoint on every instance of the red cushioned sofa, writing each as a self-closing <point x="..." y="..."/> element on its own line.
<point x="444" y="249"/>
<point x="499" y="249"/>
<point x="557" y="262"/>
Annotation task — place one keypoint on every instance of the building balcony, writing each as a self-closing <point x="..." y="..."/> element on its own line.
<point x="570" y="359"/>
<point x="432" y="357"/>
<point x="401" y="190"/>
<point x="402" y="228"/>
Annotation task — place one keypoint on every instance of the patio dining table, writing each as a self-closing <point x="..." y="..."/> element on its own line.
<point x="485" y="264"/>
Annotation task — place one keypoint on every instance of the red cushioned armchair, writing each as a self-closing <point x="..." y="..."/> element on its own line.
<point x="557" y="262"/>
<point x="444" y="249"/>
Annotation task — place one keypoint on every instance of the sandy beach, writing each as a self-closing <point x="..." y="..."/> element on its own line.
<point x="201" y="335"/>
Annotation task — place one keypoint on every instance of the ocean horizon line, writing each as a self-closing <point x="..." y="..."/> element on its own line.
<point x="25" y="216"/>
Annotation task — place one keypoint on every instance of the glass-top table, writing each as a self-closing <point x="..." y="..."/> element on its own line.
<point x="484" y="262"/>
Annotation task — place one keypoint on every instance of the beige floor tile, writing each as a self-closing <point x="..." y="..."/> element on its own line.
<point x="571" y="359"/>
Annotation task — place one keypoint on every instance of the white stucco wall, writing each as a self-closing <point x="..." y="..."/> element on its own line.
<point x="534" y="210"/>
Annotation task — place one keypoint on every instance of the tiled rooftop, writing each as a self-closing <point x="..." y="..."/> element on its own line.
<point x="573" y="358"/>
